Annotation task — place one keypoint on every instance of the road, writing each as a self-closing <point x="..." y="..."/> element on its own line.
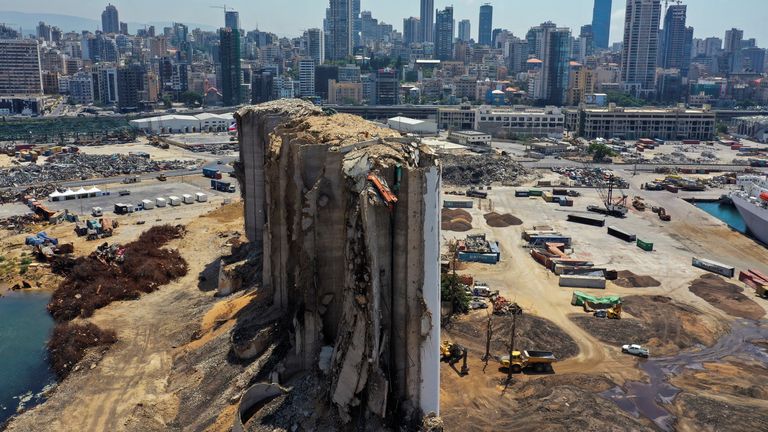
<point x="549" y="163"/>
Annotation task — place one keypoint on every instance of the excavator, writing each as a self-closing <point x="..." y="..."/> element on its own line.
<point x="638" y="203"/>
<point x="610" y="313"/>
<point x="453" y="353"/>
<point x="384" y="191"/>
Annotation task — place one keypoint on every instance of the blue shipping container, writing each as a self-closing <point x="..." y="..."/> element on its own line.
<point x="487" y="258"/>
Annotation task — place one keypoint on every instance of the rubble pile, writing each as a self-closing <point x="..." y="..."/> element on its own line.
<point x="69" y="342"/>
<point x="75" y="166"/>
<point x="463" y="170"/>
<point x="18" y="224"/>
<point x="37" y="192"/>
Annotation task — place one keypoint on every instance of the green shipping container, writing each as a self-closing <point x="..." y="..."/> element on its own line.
<point x="535" y="192"/>
<point x="648" y="247"/>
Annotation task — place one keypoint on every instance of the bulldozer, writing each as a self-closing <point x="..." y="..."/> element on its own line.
<point x="610" y="313"/>
<point x="638" y="203"/>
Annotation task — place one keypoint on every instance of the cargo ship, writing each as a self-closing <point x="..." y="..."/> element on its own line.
<point x="751" y="200"/>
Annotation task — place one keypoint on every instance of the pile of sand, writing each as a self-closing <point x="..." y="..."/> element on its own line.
<point x="456" y="220"/>
<point x="627" y="279"/>
<point x="727" y="297"/>
<point x="497" y="220"/>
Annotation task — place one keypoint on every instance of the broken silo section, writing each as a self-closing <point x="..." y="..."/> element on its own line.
<point x="347" y="214"/>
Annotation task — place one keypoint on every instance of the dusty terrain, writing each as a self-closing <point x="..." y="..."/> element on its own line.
<point x="727" y="297"/>
<point x="627" y="279"/>
<point x="129" y="388"/>
<point x="456" y="220"/>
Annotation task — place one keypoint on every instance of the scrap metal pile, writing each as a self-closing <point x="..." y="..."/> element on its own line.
<point x="76" y="166"/>
<point x="462" y="170"/>
<point x="590" y="177"/>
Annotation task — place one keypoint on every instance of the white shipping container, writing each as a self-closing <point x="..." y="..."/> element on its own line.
<point x="161" y="202"/>
<point x="174" y="200"/>
<point x="201" y="197"/>
<point x="574" y="281"/>
<point x="147" y="204"/>
<point x="188" y="199"/>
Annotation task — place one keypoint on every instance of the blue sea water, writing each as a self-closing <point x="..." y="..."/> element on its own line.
<point x="726" y="213"/>
<point x="25" y="327"/>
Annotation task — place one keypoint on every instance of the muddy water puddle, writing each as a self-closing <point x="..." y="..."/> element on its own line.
<point x="648" y="399"/>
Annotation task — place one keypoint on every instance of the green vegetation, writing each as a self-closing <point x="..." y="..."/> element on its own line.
<point x="451" y="290"/>
<point x="167" y="101"/>
<point x="722" y="128"/>
<point x="600" y="151"/>
<point x="191" y="99"/>
<point x="56" y="129"/>
<point x="625" y="100"/>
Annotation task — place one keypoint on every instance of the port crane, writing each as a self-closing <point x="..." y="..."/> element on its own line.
<point x="615" y="206"/>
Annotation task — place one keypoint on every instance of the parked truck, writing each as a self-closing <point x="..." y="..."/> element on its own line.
<point x="222" y="186"/>
<point x="211" y="173"/>
<point x="538" y="361"/>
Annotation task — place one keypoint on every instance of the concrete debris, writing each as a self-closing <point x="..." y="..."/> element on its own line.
<point x="77" y="166"/>
<point x="471" y="169"/>
<point x="347" y="216"/>
<point x="432" y="423"/>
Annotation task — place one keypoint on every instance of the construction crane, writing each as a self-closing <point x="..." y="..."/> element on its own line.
<point x="616" y="207"/>
<point x="226" y="9"/>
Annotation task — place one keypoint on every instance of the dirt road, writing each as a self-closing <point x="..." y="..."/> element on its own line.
<point x="128" y="388"/>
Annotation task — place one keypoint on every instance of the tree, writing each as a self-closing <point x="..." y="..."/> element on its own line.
<point x="191" y="99"/>
<point x="451" y="290"/>
<point x="625" y="100"/>
<point x="722" y="128"/>
<point x="600" y="151"/>
<point x="167" y="101"/>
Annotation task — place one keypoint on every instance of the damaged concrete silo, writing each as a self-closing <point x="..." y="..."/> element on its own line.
<point x="347" y="214"/>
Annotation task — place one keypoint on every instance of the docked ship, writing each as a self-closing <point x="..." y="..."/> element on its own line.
<point x="751" y="200"/>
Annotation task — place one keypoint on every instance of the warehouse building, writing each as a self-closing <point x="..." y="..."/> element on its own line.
<point x="172" y="124"/>
<point x="754" y="127"/>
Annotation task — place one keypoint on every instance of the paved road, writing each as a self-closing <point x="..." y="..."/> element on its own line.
<point x="561" y="163"/>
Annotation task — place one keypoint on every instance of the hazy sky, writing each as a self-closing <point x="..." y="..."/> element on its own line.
<point x="290" y="17"/>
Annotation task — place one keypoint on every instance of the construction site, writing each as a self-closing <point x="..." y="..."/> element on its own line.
<point x="358" y="282"/>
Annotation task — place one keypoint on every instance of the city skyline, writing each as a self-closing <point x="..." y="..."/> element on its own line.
<point x="285" y="22"/>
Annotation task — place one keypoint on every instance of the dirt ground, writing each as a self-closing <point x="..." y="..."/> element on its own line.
<point x="532" y="333"/>
<point x="664" y="325"/>
<point x="456" y="220"/>
<point x="726" y="296"/>
<point x="700" y="413"/>
<point x="497" y="220"/>
<point x="627" y="279"/>
<point x="130" y="387"/>
<point x="732" y="378"/>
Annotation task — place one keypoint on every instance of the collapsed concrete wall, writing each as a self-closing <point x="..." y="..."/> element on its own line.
<point x="348" y="216"/>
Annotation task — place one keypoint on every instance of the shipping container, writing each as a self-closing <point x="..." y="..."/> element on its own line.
<point x="547" y="196"/>
<point x="542" y="240"/>
<point x="691" y="142"/>
<point x="535" y="192"/>
<point x="484" y="258"/>
<point x="458" y="204"/>
<point x="147" y="204"/>
<point x="210" y="172"/>
<point x="560" y="192"/>
<point x="620" y="234"/>
<point x="174" y="200"/>
<point x="566" y="202"/>
<point x="187" y="199"/>
<point x="477" y="194"/>
<point x="714" y="267"/>
<point x="648" y="247"/>
<point x="522" y="194"/>
<point x="566" y="270"/>
<point x="670" y="188"/>
<point x="575" y="281"/>
<point x="201" y="197"/>
<point x="161" y="202"/>
<point x="586" y="220"/>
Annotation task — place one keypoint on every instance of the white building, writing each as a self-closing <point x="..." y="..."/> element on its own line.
<point x="409" y="125"/>
<point x="171" y="124"/>
<point x="306" y="77"/>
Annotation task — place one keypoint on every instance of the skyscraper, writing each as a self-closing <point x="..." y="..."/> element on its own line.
<point x="641" y="41"/>
<point x="674" y="40"/>
<point x="232" y="20"/>
<point x="387" y="87"/>
<point x="465" y="30"/>
<point x="316" y="45"/>
<point x="444" y="34"/>
<point x="427" y="18"/>
<point x="552" y="46"/>
<point x="20" y="67"/>
<point x="601" y="23"/>
<point x="411" y="30"/>
<point x="307" y="77"/>
<point x="357" y="23"/>
<point x="229" y="58"/>
<point x="733" y="38"/>
<point x="110" y="23"/>
<point x="484" y="36"/>
<point x="340" y="26"/>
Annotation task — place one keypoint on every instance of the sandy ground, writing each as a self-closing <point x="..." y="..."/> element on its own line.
<point x="111" y="394"/>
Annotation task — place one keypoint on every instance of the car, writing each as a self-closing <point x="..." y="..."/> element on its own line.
<point x="636" y="350"/>
<point x="124" y="192"/>
<point x="219" y="162"/>
<point x="478" y="304"/>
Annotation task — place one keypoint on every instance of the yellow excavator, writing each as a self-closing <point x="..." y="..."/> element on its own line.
<point x="610" y="313"/>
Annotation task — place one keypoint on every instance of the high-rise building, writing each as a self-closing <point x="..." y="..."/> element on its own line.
<point x="465" y="30"/>
<point x="427" y="19"/>
<point x="601" y="23"/>
<point x="641" y="42"/>
<point x="232" y="19"/>
<point x="444" y="34"/>
<point x="484" y="36"/>
<point x="324" y="74"/>
<point x="340" y="26"/>
<point x="307" y="77"/>
<point x="43" y="31"/>
<point x="753" y="60"/>
<point x="349" y="73"/>
<point x="357" y="24"/>
<point x="675" y="42"/>
<point x="552" y="47"/>
<point x="316" y="45"/>
<point x="229" y="60"/>
<point x="110" y="22"/>
<point x="586" y="43"/>
<point x="20" y="71"/>
<point x="411" y="30"/>
<point x="387" y="90"/>
<point x="733" y="38"/>
<point x="262" y="83"/>
<point x="130" y="86"/>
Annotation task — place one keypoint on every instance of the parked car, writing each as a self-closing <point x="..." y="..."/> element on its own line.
<point x="636" y="350"/>
<point x="478" y="304"/>
<point x="124" y="192"/>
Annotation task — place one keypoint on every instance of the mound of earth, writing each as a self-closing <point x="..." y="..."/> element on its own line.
<point x="497" y="220"/>
<point x="656" y="321"/>
<point x="730" y="376"/>
<point x="699" y="413"/>
<point x="532" y="333"/>
<point x="726" y="296"/>
<point x="549" y="403"/>
<point x="627" y="279"/>
<point x="456" y="220"/>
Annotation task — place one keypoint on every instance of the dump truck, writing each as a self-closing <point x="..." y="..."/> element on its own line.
<point x="538" y="361"/>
